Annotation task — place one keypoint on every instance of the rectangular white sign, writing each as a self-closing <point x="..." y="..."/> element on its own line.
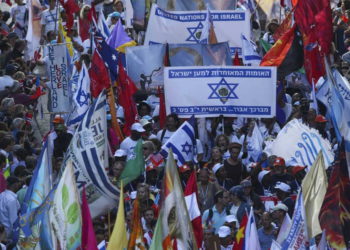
<point x="213" y="91"/>
<point x="186" y="26"/>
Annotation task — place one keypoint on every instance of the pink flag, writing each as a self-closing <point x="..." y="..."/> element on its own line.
<point x="194" y="213"/>
<point x="88" y="239"/>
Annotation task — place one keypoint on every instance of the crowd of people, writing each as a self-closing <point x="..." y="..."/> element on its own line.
<point x="229" y="183"/>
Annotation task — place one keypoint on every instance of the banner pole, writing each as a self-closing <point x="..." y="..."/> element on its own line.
<point x="115" y="124"/>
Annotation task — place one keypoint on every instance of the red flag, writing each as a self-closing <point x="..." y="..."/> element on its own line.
<point x="236" y="60"/>
<point x="335" y="212"/>
<point x="84" y="29"/>
<point x="162" y="111"/>
<point x="126" y="90"/>
<point x="240" y="236"/>
<point x="8" y="2"/>
<point x="71" y="7"/>
<point x="190" y="194"/>
<point x="99" y="77"/>
<point x="88" y="239"/>
<point x="284" y="27"/>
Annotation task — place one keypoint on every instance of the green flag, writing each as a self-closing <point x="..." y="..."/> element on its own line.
<point x="135" y="166"/>
<point x="157" y="239"/>
<point x="265" y="45"/>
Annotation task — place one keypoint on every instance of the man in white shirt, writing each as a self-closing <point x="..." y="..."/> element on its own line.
<point x="9" y="205"/>
<point x="49" y="19"/>
<point x="225" y="238"/>
<point x="7" y="81"/>
<point x="18" y="14"/>
<point x="129" y="143"/>
<point x="172" y="124"/>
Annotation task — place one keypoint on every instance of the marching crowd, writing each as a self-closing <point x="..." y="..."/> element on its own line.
<point x="229" y="182"/>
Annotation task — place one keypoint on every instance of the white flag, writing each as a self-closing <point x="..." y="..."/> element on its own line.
<point x="250" y="56"/>
<point x="251" y="233"/>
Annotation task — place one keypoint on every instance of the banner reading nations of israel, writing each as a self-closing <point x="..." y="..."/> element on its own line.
<point x="213" y="91"/>
<point x="186" y="26"/>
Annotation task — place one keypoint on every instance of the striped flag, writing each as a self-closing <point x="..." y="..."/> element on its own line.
<point x="182" y="143"/>
<point x="193" y="209"/>
<point x="250" y="55"/>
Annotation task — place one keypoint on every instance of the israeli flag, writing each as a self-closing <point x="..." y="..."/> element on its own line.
<point x="182" y="143"/>
<point x="204" y="39"/>
<point x="250" y="55"/>
<point x="81" y="97"/>
<point x="102" y="26"/>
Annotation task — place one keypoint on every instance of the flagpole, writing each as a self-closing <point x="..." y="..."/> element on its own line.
<point x="111" y="103"/>
<point x="109" y="224"/>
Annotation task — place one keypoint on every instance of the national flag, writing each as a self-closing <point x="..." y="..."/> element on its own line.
<point x="89" y="152"/>
<point x="88" y="239"/>
<point x="102" y="245"/>
<point x="136" y="235"/>
<point x="126" y="89"/>
<point x="286" y="53"/>
<point x="84" y="28"/>
<point x="284" y="229"/>
<point x="286" y="24"/>
<point x="157" y="239"/>
<point x="175" y="220"/>
<point x="236" y="60"/>
<point x="335" y="212"/>
<point x="162" y="109"/>
<point x="118" y="39"/>
<point x="64" y="38"/>
<point x="249" y="50"/>
<point x="240" y="239"/>
<point x="254" y="144"/>
<point x="315" y="17"/>
<point x="109" y="56"/>
<point x="99" y="78"/>
<point x="207" y="30"/>
<point x="314" y="188"/>
<point x="135" y="166"/>
<point x="265" y="45"/>
<point x="81" y="98"/>
<point x="65" y="212"/>
<point x="34" y="27"/>
<point x="194" y="213"/>
<point x="118" y="239"/>
<point x="182" y="143"/>
<point x="71" y="7"/>
<point x="102" y="26"/>
<point x="297" y="236"/>
<point x="251" y="233"/>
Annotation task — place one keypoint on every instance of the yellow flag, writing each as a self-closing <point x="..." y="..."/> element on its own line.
<point x="63" y="38"/>
<point x="118" y="240"/>
<point x="314" y="188"/>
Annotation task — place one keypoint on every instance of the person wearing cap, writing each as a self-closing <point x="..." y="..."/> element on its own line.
<point x="113" y="19"/>
<point x="222" y="182"/>
<point x="63" y="138"/>
<point x="120" y="155"/>
<point x="282" y="192"/>
<point x="225" y="238"/>
<point x="267" y="233"/>
<point x="171" y="125"/>
<point x="279" y="173"/>
<point x="278" y="213"/>
<point x="9" y="205"/>
<point x="232" y="222"/>
<point x="216" y="215"/>
<point x="271" y="28"/>
<point x="185" y="173"/>
<point x="129" y="143"/>
<point x="238" y="206"/>
<point x="152" y="179"/>
<point x="148" y="127"/>
<point x="320" y="125"/>
<point x="234" y="167"/>
<point x="206" y="190"/>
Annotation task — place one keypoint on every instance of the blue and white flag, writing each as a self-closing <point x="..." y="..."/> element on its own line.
<point x="81" y="97"/>
<point x="102" y="26"/>
<point x="182" y="143"/>
<point x="204" y="38"/>
<point x="250" y="56"/>
<point x="88" y="151"/>
<point x="102" y="245"/>
<point x="251" y="233"/>
<point x="297" y="237"/>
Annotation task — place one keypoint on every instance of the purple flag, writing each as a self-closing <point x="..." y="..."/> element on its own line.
<point x="118" y="36"/>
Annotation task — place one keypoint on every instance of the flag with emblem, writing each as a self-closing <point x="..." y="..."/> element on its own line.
<point x="81" y="98"/>
<point x="239" y="242"/>
<point x="118" y="39"/>
<point x="182" y="143"/>
<point x="108" y="55"/>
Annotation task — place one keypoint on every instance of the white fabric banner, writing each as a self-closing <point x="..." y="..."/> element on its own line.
<point x="187" y="26"/>
<point x="59" y="77"/>
<point x="213" y="91"/>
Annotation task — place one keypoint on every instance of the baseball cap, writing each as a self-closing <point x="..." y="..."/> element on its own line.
<point x="217" y="166"/>
<point x="137" y="127"/>
<point x="120" y="153"/>
<point x="58" y="119"/>
<point x="320" y="118"/>
<point x="283" y="187"/>
<point x="280" y="206"/>
<point x="114" y="14"/>
<point x="224" y="231"/>
<point x="145" y="122"/>
<point x="279" y="161"/>
<point x="231" y="218"/>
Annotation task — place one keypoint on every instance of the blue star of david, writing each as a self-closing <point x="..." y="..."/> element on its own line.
<point x="223" y="91"/>
<point x="193" y="31"/>
<point x="186" y="148"/>
<point x="82" y="97"/>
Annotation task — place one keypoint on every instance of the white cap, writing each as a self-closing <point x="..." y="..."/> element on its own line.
<point x="144" y="122"/>
<point x="283" y="187"/>
<point x="224" y="231"/>
<point x="262" y="174"/>
<point x="133" y="195"/>
<point x="280" y="206"/>
<point x="137" y="127"/>
<point x="231" y="218"/>
<point x="120" y="153"/>
<point x="217" y="166"/>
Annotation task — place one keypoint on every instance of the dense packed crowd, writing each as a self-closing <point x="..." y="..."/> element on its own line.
<point x="230" y="183"/>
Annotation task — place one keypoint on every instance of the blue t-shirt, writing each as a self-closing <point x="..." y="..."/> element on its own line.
<point x="265" y="239"/>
